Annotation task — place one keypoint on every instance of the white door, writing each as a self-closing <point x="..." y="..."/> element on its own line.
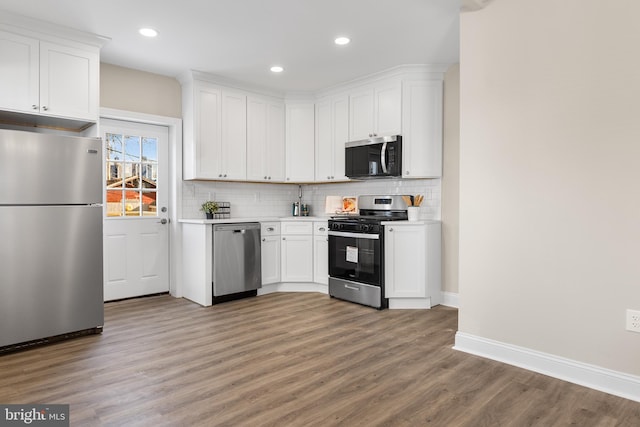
<point x="136" y="234"/>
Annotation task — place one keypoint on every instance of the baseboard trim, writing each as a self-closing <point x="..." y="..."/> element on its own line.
<point x="409" y="303"/>
<point x="595" y="377"/>
<point x="450" y="299"/>
<point x="293" y="287"/>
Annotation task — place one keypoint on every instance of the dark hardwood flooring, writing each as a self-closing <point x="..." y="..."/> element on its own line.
<point x="290" y="359"/>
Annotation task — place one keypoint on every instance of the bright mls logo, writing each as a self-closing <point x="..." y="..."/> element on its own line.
<point x="36" y="415"/>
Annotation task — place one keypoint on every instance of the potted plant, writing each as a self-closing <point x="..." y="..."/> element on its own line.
<point x="209" y="208"/>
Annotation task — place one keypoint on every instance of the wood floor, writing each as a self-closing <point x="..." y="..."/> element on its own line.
<point x="290" y="359"/>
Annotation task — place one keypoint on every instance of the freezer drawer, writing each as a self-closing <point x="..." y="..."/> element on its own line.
<point x="50" y="271"/>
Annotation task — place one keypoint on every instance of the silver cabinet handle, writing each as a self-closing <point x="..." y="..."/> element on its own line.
<point x="321" y="229"/>
<point x="284" y="238"/>
<point x="44" y="107"/>
<point x="34" y="106"/>
<point x="225" y="175"/>
<point x="390" y="230"/>
<point x="220" y="176"/>
<point x="270" y="228"/>
<point x="264" y="240"/>
<point x="269" y="177"/>
<point x="265" y="177"/>
<point x="163" y="221"/>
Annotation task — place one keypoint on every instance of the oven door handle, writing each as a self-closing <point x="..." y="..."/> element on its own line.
<point x="354" y="235"/>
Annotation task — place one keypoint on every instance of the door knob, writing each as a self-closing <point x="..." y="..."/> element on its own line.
<point x="163" y="221"/>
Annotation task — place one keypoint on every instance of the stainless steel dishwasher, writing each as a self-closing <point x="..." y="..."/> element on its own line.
<point x="236" y="261"/>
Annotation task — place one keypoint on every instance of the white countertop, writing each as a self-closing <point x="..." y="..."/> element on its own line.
<point x="251" y="219"/>
<point x="419" y="222"/>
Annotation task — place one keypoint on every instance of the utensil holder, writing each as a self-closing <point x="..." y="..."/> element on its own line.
<point x="412" y="213"/>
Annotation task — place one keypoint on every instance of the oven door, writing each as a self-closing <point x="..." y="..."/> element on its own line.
<point x="356" y="257"/>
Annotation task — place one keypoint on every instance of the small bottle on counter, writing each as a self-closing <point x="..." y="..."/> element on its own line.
<point x="295" y="209"/>
<point x="305" y="210"/>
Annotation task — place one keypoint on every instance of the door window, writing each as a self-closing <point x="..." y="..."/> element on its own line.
<point x="131" y="175"/>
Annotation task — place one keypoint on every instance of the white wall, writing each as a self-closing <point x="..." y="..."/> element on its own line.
<point x="451" y="180"/>
<point x="550" y="177"/>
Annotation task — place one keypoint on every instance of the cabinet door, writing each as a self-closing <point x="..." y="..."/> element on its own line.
<point x="321" y="259"/>
<point x="300" y="143"/>
<point x="275" y="154"/>
<point x="69" y="82"/>
<point x="297" y="258"/>
<point x="234" y="136"/>
<point x="405" y="260"/>
<point x="422" y="129"/>
<point x="270" y="256"/>
<point x="361" y="116"/>
<point x="340" y="122"/>
<point x="208" y="132"/>
<point x="388" y="109"/>
<point x="256" y="139"/>
<point x="324" y="141"/>
<point x="18" y="73"/>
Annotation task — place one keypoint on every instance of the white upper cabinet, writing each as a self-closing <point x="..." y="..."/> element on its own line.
<point x="332" y="131"/>
<point x="422" y="128"/>
<point x="375" y="110"/>
<point x="265" y="139"/>
<point x="215" y="132"/>
<point x="19" y="72"/>
<point x="49" y="79"/>
<point x="234" y="136"/>
<point x="299" y="142"/>
<point x="201" y="105"/>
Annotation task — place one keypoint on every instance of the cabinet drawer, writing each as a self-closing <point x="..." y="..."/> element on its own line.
<point x="297" y="227"/>
<point x="270" y="228"/>
<point x="320" y="228"/>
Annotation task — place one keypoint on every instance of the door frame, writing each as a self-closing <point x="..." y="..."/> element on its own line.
<point x="174" y="126"/>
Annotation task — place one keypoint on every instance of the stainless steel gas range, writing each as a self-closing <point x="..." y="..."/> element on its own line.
<point x="356" y="250"/>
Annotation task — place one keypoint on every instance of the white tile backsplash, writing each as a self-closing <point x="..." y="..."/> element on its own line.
<point x="257" y="199"/>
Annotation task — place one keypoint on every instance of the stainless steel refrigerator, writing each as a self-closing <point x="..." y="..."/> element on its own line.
<point x="51" y="281"/>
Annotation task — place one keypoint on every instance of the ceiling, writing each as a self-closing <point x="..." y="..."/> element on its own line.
<point x="242" y="39"/>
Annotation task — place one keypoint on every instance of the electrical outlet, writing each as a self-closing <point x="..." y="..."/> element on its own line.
<point x="633" y="320"/>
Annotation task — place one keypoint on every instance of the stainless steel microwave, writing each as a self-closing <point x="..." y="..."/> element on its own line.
<point x="377" y="157"/>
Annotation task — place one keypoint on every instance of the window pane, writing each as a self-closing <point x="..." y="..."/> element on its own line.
<point x="132" y="148"/>
<point x="132" y="175"/>
<point x="149" y="149"/>
<point x="132" y="203"/>
<point x="149" y="203"/>
<point x="114" y="203"/>
<point x="114" y="147"/>
<point x="114" y="174"/>
<point x="149" y="175"/>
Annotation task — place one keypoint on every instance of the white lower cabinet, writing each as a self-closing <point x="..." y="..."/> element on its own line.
<point x="412" y="264"/>
<point x="270" y="252"/>
<point x="297" y="251"/>
<point x="320" y="253"/>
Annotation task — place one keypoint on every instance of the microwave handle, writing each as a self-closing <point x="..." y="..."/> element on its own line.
<point x="383" y="157"/>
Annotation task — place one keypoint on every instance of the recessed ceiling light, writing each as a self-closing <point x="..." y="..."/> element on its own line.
<point x="277" y="69"/>
<point x="148" y="32"/>
<point x="342" y="40"/>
